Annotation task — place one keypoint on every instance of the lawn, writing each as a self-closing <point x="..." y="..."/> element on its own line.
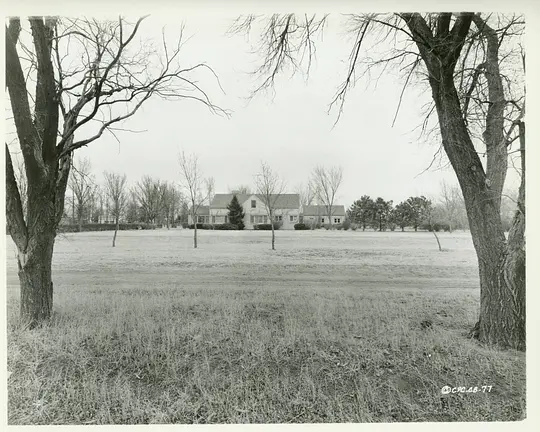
<point x="335" y="326"/>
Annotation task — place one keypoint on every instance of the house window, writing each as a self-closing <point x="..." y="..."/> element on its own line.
<point x="292" y="218"/>
<point x="259" y="219"/>
<point x="226" y="219"/>
<point x="279" y="218"/>
<point x="337" y="220"/>
<point x="322" y="220"/>
<point x="213" y="219"/>
<point x="253" y="203"/>
<point x="252" y="219"/>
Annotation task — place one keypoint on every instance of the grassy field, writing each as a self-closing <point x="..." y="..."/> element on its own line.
<point x="327" y="328"/>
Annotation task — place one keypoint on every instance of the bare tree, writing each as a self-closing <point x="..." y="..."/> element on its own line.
<point x="83" y="187"/>
<point x="307" y="193"/>
<point x="89" y="75"/>
<point x="148" y="192"/>
<point x="115" y="186"/>
<point x="475" y="72"/>
<point x="453" y="204"/>
<point x="171" y="199"/>
<point x="269" y="188"/>
<point x="326" y="182"/>
<point x="241" y="190"/>
<point x="193" y="184"/>
<point x="210" y="186"/>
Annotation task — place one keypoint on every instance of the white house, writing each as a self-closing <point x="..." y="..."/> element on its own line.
<point x="313" y="214"/>
<point x="287" y="210"/>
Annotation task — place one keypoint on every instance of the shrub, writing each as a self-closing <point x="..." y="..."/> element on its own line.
<point x="92" y="227"/>
<point x="435" y="226"/>
<point x="267" y="227"/>
<point x="339" y="227"/>
<point x="301" y="226"/>
<point x="201" y="226"/>
<point x="185" y="225"/>
<point x="346" y="224"/>
<point x="226" y="226"/>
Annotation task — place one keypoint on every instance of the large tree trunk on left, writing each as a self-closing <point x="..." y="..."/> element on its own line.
<point x="35" y="277"/>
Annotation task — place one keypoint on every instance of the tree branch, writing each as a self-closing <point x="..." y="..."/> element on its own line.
<point x="46" y="106"/>
<point x="16" y="225"/>
<point x="16" y="84"/>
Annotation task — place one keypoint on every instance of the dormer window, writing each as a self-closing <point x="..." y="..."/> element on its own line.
<point x="253" y="204"/>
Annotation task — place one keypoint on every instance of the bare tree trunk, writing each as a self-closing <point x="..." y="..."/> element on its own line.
<point x="273" y="237"/>
<point x="195" y="232"/>
<point x="501" y="264"/>
<point x="437" y="238"/>
<point x="35" y="277"/>
<point x="330" y="218"/>
<point x="115" y="231"/>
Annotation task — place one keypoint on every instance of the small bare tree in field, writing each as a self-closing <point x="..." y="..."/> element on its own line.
<point x="326" y="182"/>
<point x="83" y="187"/>
<point x="69" y="81"/>
<point x="210" y="186"/>
<point x="269" y="188"/>
<point x="115" y="186"/>
<point x="194" y="187"/>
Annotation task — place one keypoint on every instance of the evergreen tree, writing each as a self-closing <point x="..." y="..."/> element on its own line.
<point x="236" y="213"/>
<point x="362" y="211"/>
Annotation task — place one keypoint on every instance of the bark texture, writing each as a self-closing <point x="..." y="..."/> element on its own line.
<point x="34" y="232"/>
<point x="501" y="263"/>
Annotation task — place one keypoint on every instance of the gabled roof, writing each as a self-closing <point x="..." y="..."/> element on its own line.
<point x="320" y="210"/>
<point x="202" y="210"/>
<point x="284" y="201"/>
<point x="221" y="201"/>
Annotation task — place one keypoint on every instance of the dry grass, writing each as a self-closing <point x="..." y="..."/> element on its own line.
<point x="325" y="329"/>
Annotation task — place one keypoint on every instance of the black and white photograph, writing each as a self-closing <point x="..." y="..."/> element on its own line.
<point x="250" y="216"/>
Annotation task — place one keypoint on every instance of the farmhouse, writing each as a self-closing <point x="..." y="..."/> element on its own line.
<point x="318" y="214"/>
<point x="288" y="211"/>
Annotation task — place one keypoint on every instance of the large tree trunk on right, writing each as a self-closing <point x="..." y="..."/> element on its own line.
<point x="501" y="263"/>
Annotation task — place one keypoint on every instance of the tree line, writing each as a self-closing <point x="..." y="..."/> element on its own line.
<point x="112" y="200"/>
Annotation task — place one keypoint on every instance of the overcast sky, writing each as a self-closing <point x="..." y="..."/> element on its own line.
<point x="291" y="131"/>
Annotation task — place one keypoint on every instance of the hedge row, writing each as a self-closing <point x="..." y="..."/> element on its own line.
<point x="70" y="228"/>
<point x="267" y="227"/>
<point x="225" y="226"/>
